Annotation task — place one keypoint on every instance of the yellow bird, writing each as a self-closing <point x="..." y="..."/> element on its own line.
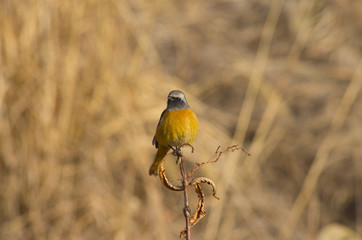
<point x="178" y="125"/>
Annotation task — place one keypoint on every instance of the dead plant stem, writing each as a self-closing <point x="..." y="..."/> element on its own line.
<point x="187" y="209"/>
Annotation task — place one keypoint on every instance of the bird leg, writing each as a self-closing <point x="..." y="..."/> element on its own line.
<point x="177" y="152"/>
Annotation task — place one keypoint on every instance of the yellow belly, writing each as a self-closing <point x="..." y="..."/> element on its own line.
<point x="177" y="128"/>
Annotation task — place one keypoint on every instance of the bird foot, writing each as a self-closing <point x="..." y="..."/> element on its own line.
<point x="177" y="152"/>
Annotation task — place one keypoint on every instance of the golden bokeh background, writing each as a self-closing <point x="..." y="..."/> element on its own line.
<point x="83" y="83"/>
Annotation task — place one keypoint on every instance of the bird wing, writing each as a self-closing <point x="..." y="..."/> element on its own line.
<point x="154" y="141"/>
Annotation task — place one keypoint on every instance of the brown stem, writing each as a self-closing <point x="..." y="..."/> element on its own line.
<point x="187" y="210"/>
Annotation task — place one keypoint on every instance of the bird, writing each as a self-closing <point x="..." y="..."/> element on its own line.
<point x="178" y="125"/>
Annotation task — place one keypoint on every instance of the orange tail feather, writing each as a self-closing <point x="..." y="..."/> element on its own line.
<point x="160" y="155"/>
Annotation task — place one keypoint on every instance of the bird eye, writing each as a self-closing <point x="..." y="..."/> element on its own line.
<point x="176" y="98"/>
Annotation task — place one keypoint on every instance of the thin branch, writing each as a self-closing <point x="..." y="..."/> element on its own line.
<point x="200" y="212"/>
<point x="187" y="210"/>
<point x="186" y="183"/>
<point x="216" y="157"/>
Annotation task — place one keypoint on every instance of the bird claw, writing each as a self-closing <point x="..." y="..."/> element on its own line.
<point x="177" y="152"/>
<point x="189" y="145"/>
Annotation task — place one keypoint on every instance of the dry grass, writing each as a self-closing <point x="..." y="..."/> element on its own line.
<point x="82" y="85"/>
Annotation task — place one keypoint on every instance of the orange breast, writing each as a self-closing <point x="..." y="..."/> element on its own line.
<point x="177" y="128"/>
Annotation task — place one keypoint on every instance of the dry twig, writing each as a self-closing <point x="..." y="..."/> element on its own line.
<point x="188" y="182"/>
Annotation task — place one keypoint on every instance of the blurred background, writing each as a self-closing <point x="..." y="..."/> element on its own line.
<point x="83" y="84"/>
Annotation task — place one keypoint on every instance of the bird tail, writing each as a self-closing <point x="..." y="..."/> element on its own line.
<point x="160" y="155"/>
